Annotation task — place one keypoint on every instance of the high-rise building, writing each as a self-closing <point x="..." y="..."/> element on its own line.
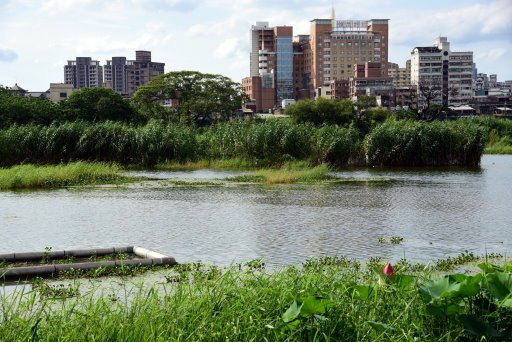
<point x="401" y="76"/>
<point x="338" y="45"/>
<point x="271" y="65"/>
<point x="303" y="67"/>
<point x="83" y="72"/>
<point x="125" y="76"/>
<point x="447" y="72"/>
<point x="115" y="74"/>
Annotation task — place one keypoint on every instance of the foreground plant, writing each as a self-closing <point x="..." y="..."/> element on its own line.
<point x="331" y="298"/>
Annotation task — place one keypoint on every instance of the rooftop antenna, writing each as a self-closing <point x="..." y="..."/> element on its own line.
<point x="333" y="16"/>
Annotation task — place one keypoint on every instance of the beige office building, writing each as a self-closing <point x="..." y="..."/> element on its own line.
<point x="401" y="76"/>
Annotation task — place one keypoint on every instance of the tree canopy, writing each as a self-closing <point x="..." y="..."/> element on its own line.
<point x="97" y="104"/>
<point x="18" y="109"/>
<point x="322" y="111"/>
<point x="189" y="96"/>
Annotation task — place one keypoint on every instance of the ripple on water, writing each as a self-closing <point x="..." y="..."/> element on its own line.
<point x="439" y="213"/>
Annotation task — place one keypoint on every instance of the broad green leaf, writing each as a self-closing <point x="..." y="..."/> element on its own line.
<point x="402" y="281"/>
<point x="441" y="288"/>
<point x="489" y="268"/>
<point x="314" y="305"/>
<point x="364" y="292"/>
<point x="379" y="326"/>
<point x="292" y="313"/>
<point x="499" y="285"/>
<point x="477" y="327"/>
<point x="507" y="303"/>
<point x="442" y="310"/>
<point x="470" y="286"/>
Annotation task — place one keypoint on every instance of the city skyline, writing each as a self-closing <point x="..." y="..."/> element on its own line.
<point x="38" y="37"/>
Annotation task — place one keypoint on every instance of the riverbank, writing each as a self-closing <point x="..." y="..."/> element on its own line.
<point x="324" y="299"/>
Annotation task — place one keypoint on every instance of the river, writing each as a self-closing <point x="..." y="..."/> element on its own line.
<point x="438" y="212"/>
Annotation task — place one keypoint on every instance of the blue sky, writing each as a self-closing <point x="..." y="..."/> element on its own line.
<point x="37" y="37"/>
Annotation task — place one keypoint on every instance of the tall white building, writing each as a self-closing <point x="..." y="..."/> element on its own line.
<point x="448" y="72"/>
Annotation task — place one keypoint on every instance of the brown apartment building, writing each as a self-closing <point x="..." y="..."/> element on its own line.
<point x="327" y="55"/>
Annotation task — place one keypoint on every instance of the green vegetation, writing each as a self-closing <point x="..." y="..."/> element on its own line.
<point x="289" y="173"/>
<point x="325" y="299"/>
<point x="96" y="105"/>
<point x="500" y="146"/>
<point x="418" y="143"/>
<point x="216" y="164"/>
<point x="53" y="176"/>
<point x="196" y="97"/>
<point x="500" y="135"/>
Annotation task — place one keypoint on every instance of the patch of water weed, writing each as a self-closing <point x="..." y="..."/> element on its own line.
<point x="451" y="263"/>
<point x="395" y="240"/>
<point x="59" y="291"/>
<point x="181" y="182"/>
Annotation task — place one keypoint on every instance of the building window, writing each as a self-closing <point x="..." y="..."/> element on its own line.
<point x="63" y="95"/>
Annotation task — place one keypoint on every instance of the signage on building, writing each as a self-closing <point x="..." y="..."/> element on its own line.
<point x="352" y="25"/>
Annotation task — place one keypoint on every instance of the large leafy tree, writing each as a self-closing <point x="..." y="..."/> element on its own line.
<point x="322" y="111"/>
<point x="18" y="109"/>
<point x="97" y="104"/>
<point x="189" y="96"/>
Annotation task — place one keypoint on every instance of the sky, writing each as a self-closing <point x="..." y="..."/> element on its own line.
<point x="37" y="37"/>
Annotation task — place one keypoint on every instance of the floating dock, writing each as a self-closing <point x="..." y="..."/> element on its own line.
<point x="145" y="258"/>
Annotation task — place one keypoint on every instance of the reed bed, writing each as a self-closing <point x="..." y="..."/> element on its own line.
<point x="418" y="143"/>
<point x="329" y="299"/>
<point x="245" y="143"/>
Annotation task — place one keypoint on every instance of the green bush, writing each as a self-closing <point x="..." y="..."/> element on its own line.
<point x="322" y="111"/>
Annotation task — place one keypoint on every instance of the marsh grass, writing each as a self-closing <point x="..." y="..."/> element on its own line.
<point x="290" y="172"/>
<point x="219" y="164"/>
<point x="327" y="299"/>
<point x="501" y="145"/>
<point x="61" y="175"/>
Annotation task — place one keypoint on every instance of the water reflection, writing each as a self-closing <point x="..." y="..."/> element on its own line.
<point x="438" y="212"/>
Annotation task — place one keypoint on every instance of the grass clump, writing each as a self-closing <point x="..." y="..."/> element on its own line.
<point x="61" y="175"/>
<point x="291" y="172"/>
<point x="501" y="145"/>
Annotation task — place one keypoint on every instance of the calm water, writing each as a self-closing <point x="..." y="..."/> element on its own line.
<point x="438" y="212"/>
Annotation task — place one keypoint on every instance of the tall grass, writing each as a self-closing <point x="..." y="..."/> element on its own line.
<point x="417" y="143"/>
<point x="331" y="299"/>
<point x="500" y="146"/>
<point x="269" y="143"/>
<point x="52" y="176"/>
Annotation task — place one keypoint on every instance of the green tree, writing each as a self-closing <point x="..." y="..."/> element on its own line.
<point x="189" y="96"/>
<point x="97" y="104"/>
<point x="322" y="111"/>
<point x="18" y="109"/>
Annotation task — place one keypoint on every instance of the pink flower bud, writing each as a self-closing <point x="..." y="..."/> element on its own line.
<point x="388" y="270"/>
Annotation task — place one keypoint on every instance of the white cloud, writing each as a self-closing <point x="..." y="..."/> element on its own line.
<point x="7" y="55"/>
<point x="227" y="48"/>
<point x="493" y="54"/>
